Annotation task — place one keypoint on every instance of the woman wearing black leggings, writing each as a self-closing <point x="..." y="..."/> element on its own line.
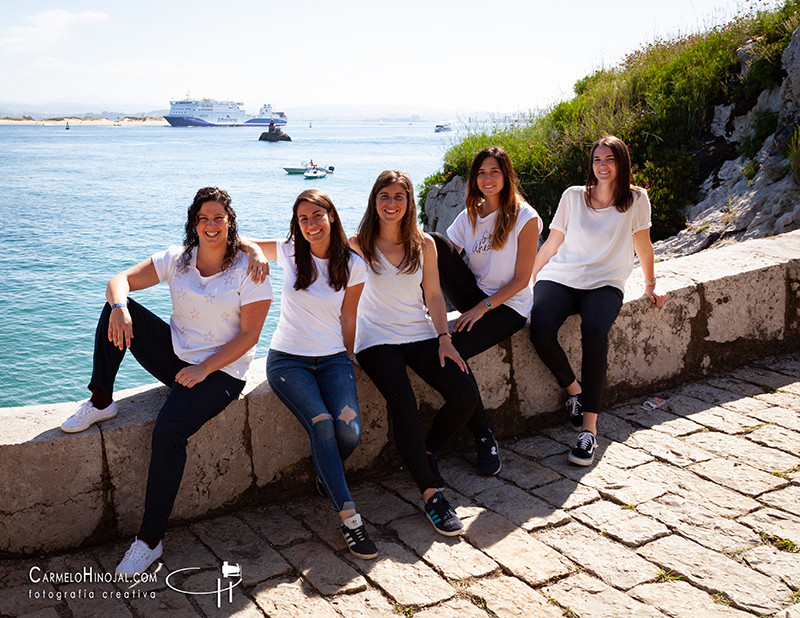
<point x="582" y="268"/>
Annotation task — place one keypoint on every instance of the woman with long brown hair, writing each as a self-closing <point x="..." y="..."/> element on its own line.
<point x="402" y="322"/>
<point x="499" y="233"/>
<point x="309" y="366"/>
<point x="582" y="268"/>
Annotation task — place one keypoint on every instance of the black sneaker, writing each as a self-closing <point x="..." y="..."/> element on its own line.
<point x="442" y="515"/>
<point x="583" y="453"/>
<point x="434" y="463"/>
<point x="575" y="413"/>
<point x="357" y="539"/>
<point x="488" y="455"/>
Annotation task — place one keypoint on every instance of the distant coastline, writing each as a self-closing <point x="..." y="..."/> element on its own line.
<point x="128" y="121"/>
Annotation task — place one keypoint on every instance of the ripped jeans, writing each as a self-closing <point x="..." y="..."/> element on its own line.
<point x="321" y="392"/>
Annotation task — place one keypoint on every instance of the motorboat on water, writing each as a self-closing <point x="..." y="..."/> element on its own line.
<point x="315" y="172"/>
<point x="190" y="112"/>
<point x="442" y="128"/>
<point x="304" y="167"/>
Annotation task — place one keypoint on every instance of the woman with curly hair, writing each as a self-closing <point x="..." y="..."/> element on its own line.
<point x="202" y="354"/>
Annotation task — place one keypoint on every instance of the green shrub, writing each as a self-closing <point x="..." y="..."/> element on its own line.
<point x="794" y="154"/>
<point x="659" y="99"/>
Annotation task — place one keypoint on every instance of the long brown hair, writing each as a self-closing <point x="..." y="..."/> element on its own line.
<point x="510" y="196"/>
<point x="623" y="190"/>
<point x="410" y="234"/>
<point x="338" y="252"/>
<point x="191" y="240"/>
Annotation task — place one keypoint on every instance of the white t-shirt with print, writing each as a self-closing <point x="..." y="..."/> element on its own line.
<point x="495" y="268"/>
<point x="206" y="311"/>
<point x="310" y="322"/>
<point x="598" y="244"/>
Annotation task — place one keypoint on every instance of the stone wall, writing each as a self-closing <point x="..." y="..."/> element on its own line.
<point x="725" y="307"/>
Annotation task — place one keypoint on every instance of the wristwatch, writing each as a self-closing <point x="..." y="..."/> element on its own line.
<point x="488" y="303"/>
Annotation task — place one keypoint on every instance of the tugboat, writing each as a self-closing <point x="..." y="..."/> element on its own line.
<point x="274" y="134"/>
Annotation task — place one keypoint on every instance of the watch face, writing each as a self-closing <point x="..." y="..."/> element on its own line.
<point x="487" y="302"/>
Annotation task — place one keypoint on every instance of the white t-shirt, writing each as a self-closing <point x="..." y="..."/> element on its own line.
<point x="310" y="322"/>
<point x="492" y="268"/>
<point x="598" y="244"/>
<point x="206" y="311"/>
<point x="391" y="308"/>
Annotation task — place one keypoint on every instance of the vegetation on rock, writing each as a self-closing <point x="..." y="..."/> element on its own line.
<point x="660" y="100"/>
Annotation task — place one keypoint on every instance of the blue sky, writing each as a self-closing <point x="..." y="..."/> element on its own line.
<point x="501" y="56"/>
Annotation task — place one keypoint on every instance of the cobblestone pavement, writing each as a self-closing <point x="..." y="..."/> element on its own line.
<point x="688" y="510"/>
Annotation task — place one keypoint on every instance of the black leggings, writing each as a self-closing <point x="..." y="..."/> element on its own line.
<point x="461" y="289"/>
<point x="386" y="367"/>
<point x="598" y="309"/>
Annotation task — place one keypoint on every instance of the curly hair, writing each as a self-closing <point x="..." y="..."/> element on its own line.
<point x="191" y="239"/>
<point x="338" y="252"/>
<point x="410" y="233"/>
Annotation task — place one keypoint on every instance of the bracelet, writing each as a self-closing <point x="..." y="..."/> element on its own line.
<point x="115" y="305"/>
<point x="352" y="358"/>
<point x="440" y="335"/>
<point x="651" y="282"/>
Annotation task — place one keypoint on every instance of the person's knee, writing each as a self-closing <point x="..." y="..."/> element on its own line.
<point x="168" y="435"/>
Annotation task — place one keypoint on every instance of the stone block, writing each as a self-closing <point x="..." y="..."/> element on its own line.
<point x="275" y="525"/>
<point x="679" y="599"/>
<point x="588" y="597"/>
<point x="49" y="476"/>
<point x="714" y="572"/>
<point x="787" y="499"/>
<point x="218" y="468"/>
<point x="624" y="525"/>
<point x="738" y="476"/>
<point x="519" y="554"/>
<point x="451" y="556"/>
<point x="323" y="569"/>
<point x="508" y="597"/>
<point x="779" y="565"/>
<point x="658" y="420"/>
<point x="779" y="438"/>
<point x="745" y="450"/>
<point x="367" y="604"/>
<point x="525" y="510"/>
<point x="566" y="494"/>
<point x="292" y="598"/>
<point x="525" y="473"/>
<point x="709" y="414"/>
<point x="775" y="523"/>
<point x="613" y="563"/>
<point x="454" y="607"/>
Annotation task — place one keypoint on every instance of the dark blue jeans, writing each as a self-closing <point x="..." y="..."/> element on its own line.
<point x="461" y="289"/>
<point x="321" y="392"/>
<point x="184" y="412"/>
<point x="553" y="303"/>
<point x="386" y="365"/>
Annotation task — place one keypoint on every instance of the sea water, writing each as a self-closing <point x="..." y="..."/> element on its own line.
<point x="80" y="205"/>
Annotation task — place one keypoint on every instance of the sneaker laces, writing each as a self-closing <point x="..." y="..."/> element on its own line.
<point x="573" y="406"/>
<point x="137" y="550"/>
<point x="585" y="440"/>
<point x="84" y="409"/>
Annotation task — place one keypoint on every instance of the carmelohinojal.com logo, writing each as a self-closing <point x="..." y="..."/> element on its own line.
<point x="92" y="579"/>
<point x="87" y="577"/>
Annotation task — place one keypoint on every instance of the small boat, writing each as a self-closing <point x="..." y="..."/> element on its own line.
<point x="304" y="167"/>
<point x="442" y="128"/>
<point x="67" y="127"/>
<point x="315" y="172"/>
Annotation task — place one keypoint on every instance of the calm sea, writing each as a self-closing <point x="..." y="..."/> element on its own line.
<point x="83" y="204"/>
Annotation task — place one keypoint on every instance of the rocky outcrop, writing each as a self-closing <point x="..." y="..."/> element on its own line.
<point x="443" y="204"/>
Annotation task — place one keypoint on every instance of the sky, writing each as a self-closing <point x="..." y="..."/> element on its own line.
<point x="501" y="56"/>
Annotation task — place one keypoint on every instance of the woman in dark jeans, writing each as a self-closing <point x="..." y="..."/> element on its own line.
<point x="397" y="329"/>
<point x="582" y="268"/>
<point x="499" y="232"/>
<point x="202" y="354"/>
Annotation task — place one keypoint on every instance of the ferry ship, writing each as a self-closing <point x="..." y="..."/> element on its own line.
<point x="212" y="113"/>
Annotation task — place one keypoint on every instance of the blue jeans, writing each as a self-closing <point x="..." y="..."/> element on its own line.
<point x="321" y="392"/>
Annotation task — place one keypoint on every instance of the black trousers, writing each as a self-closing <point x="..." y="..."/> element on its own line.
<point x="553" y="303"/>
<point x="386" y="367"/>
<point x="461" y="289"/>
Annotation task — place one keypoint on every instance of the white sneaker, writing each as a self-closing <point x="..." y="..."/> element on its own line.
<point x="138" y="558"/>
<point x="87" y="415"/>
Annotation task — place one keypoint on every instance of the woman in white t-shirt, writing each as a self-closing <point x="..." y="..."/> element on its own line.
<point x="399" y="328"/>
<point x="309" y="364"/>
<point x="582" y="268"/>
<point x="499" y="233"/>
<point x="202" y="354"/>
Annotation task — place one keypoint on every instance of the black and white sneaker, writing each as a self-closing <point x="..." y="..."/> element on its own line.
<point x="574" y="412"/>
<point x="488" y="455"/>
<point x="357" y="539"/>
<point x="442" y="515"/>
<point x="434" y="463"/>
<point x="583" y="453"/>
